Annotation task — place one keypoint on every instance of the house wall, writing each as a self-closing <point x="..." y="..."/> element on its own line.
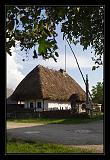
<point x="20" y="102"/>
<point x="52" y="105"/>
<point x="27" y="104"/>
<point x="48" y="105"/>
<point x="11" y="102"/>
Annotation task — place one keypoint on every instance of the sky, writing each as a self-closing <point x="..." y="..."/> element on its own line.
<point x="18" y="69"/>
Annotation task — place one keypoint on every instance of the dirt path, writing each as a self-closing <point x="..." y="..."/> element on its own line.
<point x="11" y="125"/>
<point x="97" y="148"/>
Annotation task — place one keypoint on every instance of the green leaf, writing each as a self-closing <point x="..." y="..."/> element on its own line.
<point x="93" y="68"/>
<point x="9" y="52"/>
<point x="49" y="49"/>
<point x="55" y="47"/>
<point x="11" y="25"/>
<point x="56" y="53"/>
<point x="42" y="46"/>
<point x="46" y="32"/>
<point x="24" y="19"/>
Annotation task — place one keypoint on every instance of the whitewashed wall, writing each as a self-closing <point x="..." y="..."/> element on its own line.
<point x="20" y="102"/>
<point x="49" y="105"/>
<point x="46" y="105"/>
<point x="27" y="104"/>
<point x="58" y="105"/>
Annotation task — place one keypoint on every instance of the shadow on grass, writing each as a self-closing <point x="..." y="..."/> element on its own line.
<point x="73" y="120"/>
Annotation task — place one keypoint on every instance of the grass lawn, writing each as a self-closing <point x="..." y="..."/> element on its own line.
<point x="20" y="146"/>
<point x="59" y="120"/>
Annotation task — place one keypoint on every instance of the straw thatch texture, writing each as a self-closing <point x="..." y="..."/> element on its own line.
<point x="44" y="83"/>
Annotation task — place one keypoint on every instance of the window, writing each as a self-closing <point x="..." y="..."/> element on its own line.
<point x="38" y="104"/>
<point x="31" y="105"/>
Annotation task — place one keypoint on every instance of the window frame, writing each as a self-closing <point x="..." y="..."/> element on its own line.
<point x="31" y="107"/>
<point x="39" y="103"/>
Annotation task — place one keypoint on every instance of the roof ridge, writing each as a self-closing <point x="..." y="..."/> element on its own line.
<point x="39" y="66"/>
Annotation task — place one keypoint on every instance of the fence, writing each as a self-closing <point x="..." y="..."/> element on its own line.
<point x="18" y="111"/>
<point x="21" y="113"/>
<point x="14" y="107"/>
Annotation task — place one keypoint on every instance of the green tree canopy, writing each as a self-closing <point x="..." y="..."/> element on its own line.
<point x="97" y="93"/>
<point x="35" y="25"/>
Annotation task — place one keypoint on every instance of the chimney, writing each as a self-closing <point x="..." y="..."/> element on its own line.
<point x="62" y="71"/>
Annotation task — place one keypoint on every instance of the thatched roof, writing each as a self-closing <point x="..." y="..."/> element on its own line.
<point x="44" y="83"/>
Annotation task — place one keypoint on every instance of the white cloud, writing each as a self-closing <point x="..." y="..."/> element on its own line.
<point x="14" y="75"/>
<point x="83" y="61"/>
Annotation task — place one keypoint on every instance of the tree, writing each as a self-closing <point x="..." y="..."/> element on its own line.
<point x="97" y="93"/>
<point x="34" y="25"/>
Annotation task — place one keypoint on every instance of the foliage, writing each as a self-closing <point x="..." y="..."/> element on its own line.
<point x="97" y="93"/>
<point x="36" y="25"/>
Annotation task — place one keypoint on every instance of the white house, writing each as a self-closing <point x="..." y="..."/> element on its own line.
<point x="48" y="89"/>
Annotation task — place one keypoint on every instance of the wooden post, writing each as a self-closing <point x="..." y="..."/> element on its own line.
<point x="87" y="88"/>
<point x="39" y="114"/>
<point x="87" y="97"/>
<point x="43" y="104"/>
<point x="35" y="106"/>
<point x="65" y="58"/>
